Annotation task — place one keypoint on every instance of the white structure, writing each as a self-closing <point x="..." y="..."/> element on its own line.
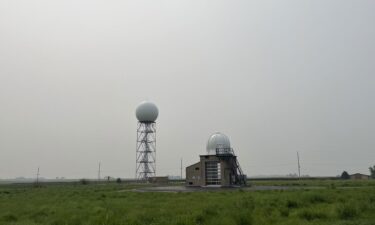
<point x="146" y="113"/>
<point x="217" y="141"/>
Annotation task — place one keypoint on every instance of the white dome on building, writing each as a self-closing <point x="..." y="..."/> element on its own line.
<point x="147" y="112"/>
<point x="217" y="140"/>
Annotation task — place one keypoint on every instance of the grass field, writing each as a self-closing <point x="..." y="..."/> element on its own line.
<point x="335" y="202"/>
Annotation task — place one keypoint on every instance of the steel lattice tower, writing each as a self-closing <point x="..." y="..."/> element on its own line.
<point x="146" y="151"/>
<point x="146" y="113"/>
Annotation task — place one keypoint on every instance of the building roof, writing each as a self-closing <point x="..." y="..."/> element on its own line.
<point x="359" y="174"/>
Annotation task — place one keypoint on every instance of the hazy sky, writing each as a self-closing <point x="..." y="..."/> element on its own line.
<point x="276" y="76"/>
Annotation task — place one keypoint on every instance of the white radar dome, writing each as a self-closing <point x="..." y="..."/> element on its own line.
<point x="217" y="140"/>
<point x="147" y="112"/>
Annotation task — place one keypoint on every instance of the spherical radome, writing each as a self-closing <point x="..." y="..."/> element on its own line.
<point x="147" y="112"/>
<point x="217" y="140"/>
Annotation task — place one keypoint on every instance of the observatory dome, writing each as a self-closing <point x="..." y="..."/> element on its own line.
<point x="147" y="112"/>
<point x="217" y="140"/>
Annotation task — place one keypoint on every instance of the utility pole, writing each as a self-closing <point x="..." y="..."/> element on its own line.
<point x="181" y="168"/>
<point x="299" y="166"/>
<point x="37" y="177"/>
<point x="99" y="172"/>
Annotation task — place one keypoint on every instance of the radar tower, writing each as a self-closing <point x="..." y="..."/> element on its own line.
<point x="146" y="113"/>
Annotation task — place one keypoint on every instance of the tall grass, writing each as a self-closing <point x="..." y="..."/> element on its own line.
<point x="110" y="205"/>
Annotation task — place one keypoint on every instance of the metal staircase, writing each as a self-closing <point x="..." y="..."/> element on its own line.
<point x="240" y="177"/>
<point x="228" y="153"/>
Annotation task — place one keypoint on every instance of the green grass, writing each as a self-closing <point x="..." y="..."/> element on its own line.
<point x="109" y="204"/>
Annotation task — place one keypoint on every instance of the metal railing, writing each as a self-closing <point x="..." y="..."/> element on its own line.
<point x="224" y="151"/>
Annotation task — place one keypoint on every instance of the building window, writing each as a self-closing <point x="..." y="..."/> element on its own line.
<point x="213" y="173"/>
<point x="196" y="168"/>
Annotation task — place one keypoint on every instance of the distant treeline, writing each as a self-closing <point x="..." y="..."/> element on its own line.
<point x="291" y="178"/>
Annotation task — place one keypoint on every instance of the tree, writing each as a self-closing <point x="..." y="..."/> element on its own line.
<point x="345" y="175"/>
<point x="372" y="172"/>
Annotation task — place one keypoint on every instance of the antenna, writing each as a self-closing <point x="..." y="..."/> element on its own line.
<point x="299" y="166"/>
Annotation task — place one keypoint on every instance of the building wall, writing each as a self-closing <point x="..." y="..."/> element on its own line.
<point x="228" y="171"/>
<point x="194" y="175"/>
